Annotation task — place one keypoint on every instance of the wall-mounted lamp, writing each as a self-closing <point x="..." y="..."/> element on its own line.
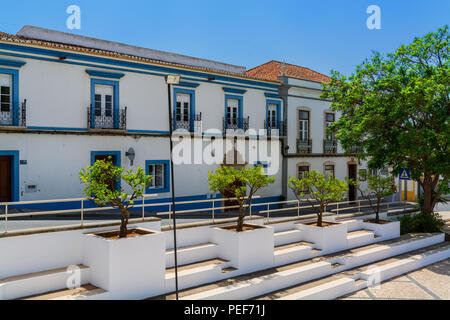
<point x="211" y="79"/>
<point x="62" y="58"/>
<point x="131" y="155"/>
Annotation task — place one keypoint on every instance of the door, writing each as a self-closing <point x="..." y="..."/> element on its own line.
<point x="113" y="160"/>
<point x="303" y="126"/>
<point x="5" y="178"/>
<point x="6" y="117"/>
<point x="232" y="114"/>
<point x="104" y="97"/>
<point x="183" y="111"/>
<point x="272" y="116"/>
<point x="351" y="188"/>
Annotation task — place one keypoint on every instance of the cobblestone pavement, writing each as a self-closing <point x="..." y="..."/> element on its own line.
<point x="429" y="283"/>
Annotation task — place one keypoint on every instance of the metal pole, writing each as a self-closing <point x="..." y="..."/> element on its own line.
<point x="6" y="218"/>
<point x="173" y="191"/>
<point x="143" y="208"/>
<point x="82" y="211"/>
<point x="214" y="201"/>
<point x="298" y="208"/>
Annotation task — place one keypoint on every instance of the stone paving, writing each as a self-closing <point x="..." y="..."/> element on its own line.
<point x="429" y="283"/>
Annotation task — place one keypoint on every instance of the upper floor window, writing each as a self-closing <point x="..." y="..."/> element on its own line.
<point x="302" y="170"/>
<point x="329" y="170"/>
<point x="5" y="92"/>
<point x="272" y="115"/>
<point x="329" y="119"/>
<point x="183" y="107"/>
<point x="232" y="112"/>
<point x="303" y="125"/>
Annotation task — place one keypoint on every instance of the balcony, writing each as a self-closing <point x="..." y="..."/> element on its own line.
<point x="236" y="124"/>
<point x="192" y="125"/>
<point x="304" y="146"/>
<point x="353" y="150"/>
<point x="104" y="121"/>
<point x="10" y="118"/>
<point x="329" y="146"/>
<point x="275" y="125"/>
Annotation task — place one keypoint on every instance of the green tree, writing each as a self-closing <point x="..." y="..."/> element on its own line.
<point x="378" y="187"/>
<point x="395" y="110"/>
<point x="243" y="183"/>
<point x="317" y="187"/>
<point x="100" y="182"/>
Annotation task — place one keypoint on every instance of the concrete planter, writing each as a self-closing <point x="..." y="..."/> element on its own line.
<point x="247" y="251"/>
<point x="129" y="268"/>
<point x="328" y="239"/>
<point x="386" y="231"/>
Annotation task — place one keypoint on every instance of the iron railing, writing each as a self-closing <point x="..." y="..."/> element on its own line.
<point x="235" y="123"/>
<point x="14" y="117"/>
<point x="329" y="146"/>
<point x="194" y="124"/>
<point x="275" y="125"/>
<point x="304" y="146"/>
<point x="107" y="122"/>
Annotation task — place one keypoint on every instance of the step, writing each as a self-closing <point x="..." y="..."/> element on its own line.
<point x="359" y="238"/>
<point x="84" y="292"/>
<point x="352" y="280"/>
<point x="38" y="282"/>
<point x="258" y="283"/>
<point x="297" y="251"/>
<point x="191" y="253"/>
<point x="287" y="236"/>
<point x="352" y="224"/>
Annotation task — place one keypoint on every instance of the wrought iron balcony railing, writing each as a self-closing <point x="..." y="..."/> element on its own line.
<point x="329" y="146"/>
<point x="304" y="146"/>
<point x="275" y="125"/>
<point x="13" y="114"/>
<point x="235" y="123"/>
<point x="103" y="121"/>
<point x="192" y="125"/>
<point x="353" y="150"/>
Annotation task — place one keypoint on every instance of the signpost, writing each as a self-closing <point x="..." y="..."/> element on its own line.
<point x="405" y="175"/>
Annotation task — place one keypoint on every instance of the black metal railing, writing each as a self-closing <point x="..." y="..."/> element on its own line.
<point x="9" y="116"/>
<point x="194" y="124"/>
<point x="275" y="125"/>
<point x="353" y="150"/>
<point x="329" y="146"/>
<point x="107" y="121"/>
<point x="304" y="146"/>
<point x="235" y="123"/>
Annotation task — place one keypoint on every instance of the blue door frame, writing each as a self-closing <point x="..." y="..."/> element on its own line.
<point x="14" y="172"/>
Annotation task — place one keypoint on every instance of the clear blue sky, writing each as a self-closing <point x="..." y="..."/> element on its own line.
<point x="321" y="35"/>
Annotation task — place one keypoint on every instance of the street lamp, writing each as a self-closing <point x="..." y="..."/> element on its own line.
<point x="173" y="79"/>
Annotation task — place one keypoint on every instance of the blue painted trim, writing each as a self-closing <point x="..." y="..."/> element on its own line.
<point x="240" y="107"/>
<point x="103" y="74"/>
<point x="148" y="131"/>
<point x="15" y="92"/>
<point x="234" y="90"/>
<point x="187" y="84"/>
<point x="12" y="63"/>
<point x="56" y="128"/>
<point x="192" y="107"/>
<point x="278" y="103"/>
<point x="14" y="173"/>
<point x="117" y="161"/>
<point x="122" y="63"/>
<point x="166" y="164"/>
<point x="272" y="95"/>
<point x="115" y="85"/>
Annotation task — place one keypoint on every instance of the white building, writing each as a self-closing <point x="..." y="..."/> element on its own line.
<point x="67" y="100"/>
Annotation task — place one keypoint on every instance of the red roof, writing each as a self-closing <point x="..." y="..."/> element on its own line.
<point x="273" y="69"/>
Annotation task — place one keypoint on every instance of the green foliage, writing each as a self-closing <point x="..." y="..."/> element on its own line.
<point x="243" y="184"/>
<point x="421" y="222"/>
<point x="395" y="110"/>
<point x="101" y="181"/>
<point x="316" y="186"/>
<point x="420" y="201"/>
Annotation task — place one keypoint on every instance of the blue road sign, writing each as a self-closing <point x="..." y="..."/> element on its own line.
<point x="404" y="174"/>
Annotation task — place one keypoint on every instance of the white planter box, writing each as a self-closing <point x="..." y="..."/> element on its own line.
<point x="247" y="251"/>
<point x="385" y="231"/>
<point x="129" y="268"/>
<point x="328" y="239"/>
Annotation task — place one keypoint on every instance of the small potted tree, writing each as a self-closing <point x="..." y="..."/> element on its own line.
<point x="378" y="187"/>
<point x="320" y="190"/>
<point x="248" y="246"/>
<point x="129" y="263"/>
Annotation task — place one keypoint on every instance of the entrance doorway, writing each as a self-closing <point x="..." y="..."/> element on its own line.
<point x="352" y="188"/>
<point x="5" y="178"/>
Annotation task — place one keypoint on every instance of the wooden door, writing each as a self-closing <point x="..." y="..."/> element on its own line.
<point x="351" y="188"/>
<point x="5" y="179"/>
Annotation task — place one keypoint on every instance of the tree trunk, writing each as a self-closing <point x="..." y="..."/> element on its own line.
<point x="319" y="215"/>
<point x="123" y="222"/>
<point x="427" y="194"/>
<point x="240" y="220"/>
<point x="377" y="216"/>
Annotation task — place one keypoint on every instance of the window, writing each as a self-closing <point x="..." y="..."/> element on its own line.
<point x="272" y="115"/>
<point x="303" y="125"/>
<point x="183" y="107"/>
<point x="329" y="119"/>
<point x="302" y="169"/>
<point x="263" y="164"/>
<point x="5" y="92"/>
<point x="232" y="112"/>
<point x="159" y="170"/>
<point x="362" y="174"/>
<point x="105" y="113"/>
<point x="329" y="170"/>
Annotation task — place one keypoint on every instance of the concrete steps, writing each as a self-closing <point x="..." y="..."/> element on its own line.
<point x="352" y="280"/>
<point x="286" y="237"/>
<point x="44" y="281"/>
<point x="269" y="280"/>
<point x="85" y="292"/>
<point x="191" y="254"/>
<point x="360" y="238"/>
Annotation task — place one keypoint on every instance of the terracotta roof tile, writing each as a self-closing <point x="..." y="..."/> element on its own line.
<point x="273" y="69"/>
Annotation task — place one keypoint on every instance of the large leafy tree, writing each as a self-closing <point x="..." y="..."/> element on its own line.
<point x="242" y="183"/>
<point x="395" y="110"/>
<point x="319" y="190"/>
<point x="101" y="180"/>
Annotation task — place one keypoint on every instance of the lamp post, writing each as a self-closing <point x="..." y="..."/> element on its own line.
<point x="173" y="79"/>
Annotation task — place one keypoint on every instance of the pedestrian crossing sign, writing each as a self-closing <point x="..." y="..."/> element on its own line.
<point x="404" y="174"/>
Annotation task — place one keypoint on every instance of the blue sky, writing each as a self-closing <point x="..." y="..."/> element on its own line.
<point x="321" y="35"/>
